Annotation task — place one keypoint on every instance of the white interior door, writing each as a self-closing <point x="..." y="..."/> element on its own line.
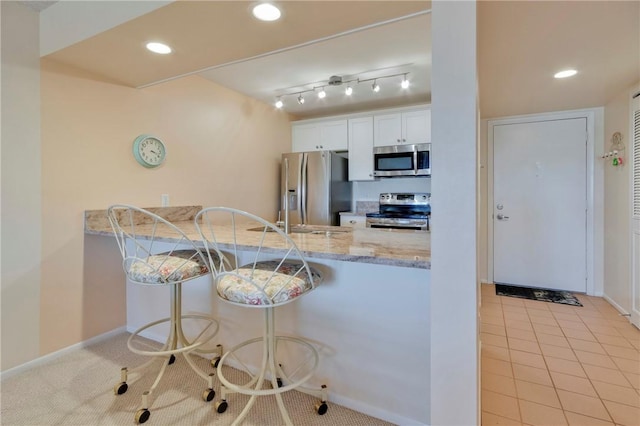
<point x="540" y="204"/>
<point x="635" y="214"/>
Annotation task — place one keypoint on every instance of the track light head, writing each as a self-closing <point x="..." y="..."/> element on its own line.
<point x="279" y="104"/>
<point x="348" y="91"/>
<point x="405" y="82"/>
<point x="375" y="86"/>
<point x="322" y="94"/>
<point x="300" y="99"/>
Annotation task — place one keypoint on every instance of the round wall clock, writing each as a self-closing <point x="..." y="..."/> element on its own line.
<point x="149" y="151"/>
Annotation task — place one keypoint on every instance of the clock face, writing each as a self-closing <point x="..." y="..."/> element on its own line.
<point x="149" y="151"/>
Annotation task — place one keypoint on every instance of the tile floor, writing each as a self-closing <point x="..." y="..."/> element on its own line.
<point x="552" y="364"/>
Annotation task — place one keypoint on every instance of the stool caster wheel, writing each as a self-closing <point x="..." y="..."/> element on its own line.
<point x="172" y="359"/>
<point x="208" y="395"/>
<point x="120" y="388"/>
<point x="321" y="407"/>
<point x="279" y="380"/>
<point x="215" y="362"/>
<point x="142" y="415"/>
<point x="221" y="406"/>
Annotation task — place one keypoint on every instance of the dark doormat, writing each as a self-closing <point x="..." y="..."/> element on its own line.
<point x="542" y="294"/>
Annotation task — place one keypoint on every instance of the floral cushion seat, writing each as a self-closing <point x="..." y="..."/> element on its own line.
<point x="263" y="286"/>
<point x="164" y="268"/>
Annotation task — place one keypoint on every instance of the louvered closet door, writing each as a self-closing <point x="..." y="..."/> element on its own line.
<point x="635" y="213"/>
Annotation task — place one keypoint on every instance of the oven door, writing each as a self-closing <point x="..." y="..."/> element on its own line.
<point x="398" y="223"/>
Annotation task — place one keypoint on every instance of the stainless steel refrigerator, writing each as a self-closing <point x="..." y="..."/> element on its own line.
<point x="317" y="185"/>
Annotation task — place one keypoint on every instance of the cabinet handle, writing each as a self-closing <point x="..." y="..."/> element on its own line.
<point x="404" y="140"/>
<point x="352" y="221"/>
<point x="398" y="140"/>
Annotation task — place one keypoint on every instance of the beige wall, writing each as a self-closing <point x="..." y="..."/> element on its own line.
<point x="21" y="205"/>
<point x="223" y="148"/>
<point x="617" y="208"/>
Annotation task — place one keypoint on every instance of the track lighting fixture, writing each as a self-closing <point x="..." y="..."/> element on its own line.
<point x="335" y="80"/>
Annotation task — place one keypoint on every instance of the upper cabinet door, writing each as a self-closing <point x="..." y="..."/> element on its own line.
<point x="387" y="129"/>
<point x="334" y="135"/>
<point x="305" y="137"/>
<point x="361" y="148"/>
<point x="410" y="127"/>
<point x="416" y="127"/>
<point x="329" y="135"/>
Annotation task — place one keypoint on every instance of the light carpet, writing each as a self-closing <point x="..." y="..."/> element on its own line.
<point x="77" y="389"/>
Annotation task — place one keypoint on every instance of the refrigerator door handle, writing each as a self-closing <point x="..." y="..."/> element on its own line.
<point x="302" y="200"/>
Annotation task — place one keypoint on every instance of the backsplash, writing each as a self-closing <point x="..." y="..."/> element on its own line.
<point x="363" y="207"/>
<point x="370" y="191"/>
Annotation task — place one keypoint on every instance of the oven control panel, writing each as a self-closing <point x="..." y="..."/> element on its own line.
<point x="404" y="198"/>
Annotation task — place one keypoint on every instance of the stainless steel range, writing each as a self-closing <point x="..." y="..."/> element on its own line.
<point x="402" y="211"/>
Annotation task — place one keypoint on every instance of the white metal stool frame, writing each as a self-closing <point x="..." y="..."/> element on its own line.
<point x="270" y="370"/>
<point x="126" y="221"/>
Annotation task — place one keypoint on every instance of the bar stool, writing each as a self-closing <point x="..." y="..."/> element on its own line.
<point x="157" y="253"/>
<point x="269" y="271"/>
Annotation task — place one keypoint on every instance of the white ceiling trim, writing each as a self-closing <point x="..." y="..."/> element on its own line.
<point x="289" y="48"/>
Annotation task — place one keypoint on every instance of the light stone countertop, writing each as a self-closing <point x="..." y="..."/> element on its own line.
<point x="405" y="248"/>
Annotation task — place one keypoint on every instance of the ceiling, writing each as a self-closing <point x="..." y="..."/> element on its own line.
<point x="222" y="42"/>
<point x="37" y="5"/>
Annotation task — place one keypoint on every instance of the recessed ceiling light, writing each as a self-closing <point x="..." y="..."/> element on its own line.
<point x="266" y="12"/>
<point x="160" y="48"/>
<point x="565" y="73"/>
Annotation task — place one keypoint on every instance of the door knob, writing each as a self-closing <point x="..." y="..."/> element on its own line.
<point x="502" y="217"/>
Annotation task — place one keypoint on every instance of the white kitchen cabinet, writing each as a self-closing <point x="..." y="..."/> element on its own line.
<point x="328" y="135"/>
<point x="353" y="220"/>
<point x="361" y="148"/>
<point x="411" y="127"/>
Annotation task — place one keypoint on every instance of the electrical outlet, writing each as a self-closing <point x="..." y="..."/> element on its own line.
<point x="164" y="200"/>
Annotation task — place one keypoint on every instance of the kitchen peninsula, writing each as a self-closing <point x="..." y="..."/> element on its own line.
<point x="369" y="318"/>
<point x="367" y="245"/>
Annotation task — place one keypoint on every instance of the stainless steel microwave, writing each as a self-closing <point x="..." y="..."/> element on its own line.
<point x="402" y="160"/>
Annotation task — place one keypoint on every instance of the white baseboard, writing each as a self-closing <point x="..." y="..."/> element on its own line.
<point x="485" y="281"/>
<point x="615" y="305"/>
<point x="57" y="354"/>
<point x="369" y="410"/>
